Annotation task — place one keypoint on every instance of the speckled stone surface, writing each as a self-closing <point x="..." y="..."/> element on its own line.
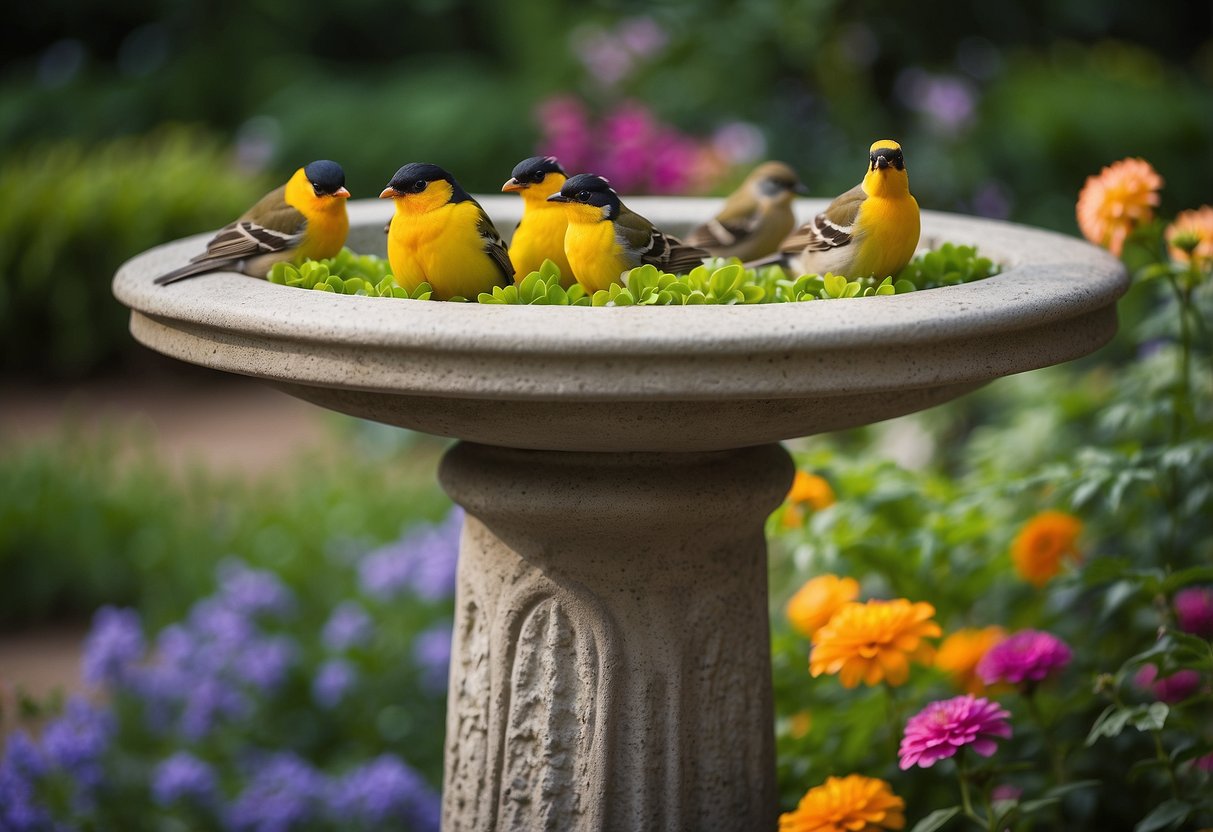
<point x="767" y="372"/>
<point x="611" y="659"/>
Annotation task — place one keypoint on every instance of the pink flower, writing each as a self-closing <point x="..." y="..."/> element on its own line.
<point x="942" y="728"/>
<point x="1174" y="688"/>
<point x="1026" y="656"/>
<point x="1194" y="610"/>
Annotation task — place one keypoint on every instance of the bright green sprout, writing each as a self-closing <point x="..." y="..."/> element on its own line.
<point x="718" y="281"/>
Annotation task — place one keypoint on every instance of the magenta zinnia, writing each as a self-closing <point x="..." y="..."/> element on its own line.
<point x="942" y="728"/>
<point x="1026" y="656"/>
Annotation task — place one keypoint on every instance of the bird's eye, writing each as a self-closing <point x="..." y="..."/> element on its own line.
<point x="419" y="186"/>
<point x="583" y="196"/>
<point x="316" y="190"/>
<point x="537" y="178"/>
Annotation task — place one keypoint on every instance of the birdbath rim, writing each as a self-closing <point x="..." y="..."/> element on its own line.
<point x="1054" y="301"/>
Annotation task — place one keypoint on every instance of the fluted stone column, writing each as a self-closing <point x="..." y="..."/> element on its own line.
<point x="611" y="661"/>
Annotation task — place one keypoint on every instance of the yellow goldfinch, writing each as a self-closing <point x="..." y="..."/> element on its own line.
<point x="606" y="239"/>
<point x="540" y="233"/>
<point x="303" y="219"/>
<point x="870" y="231"/>
<point x="756" y="217"/>
<point x="441" y="236"/>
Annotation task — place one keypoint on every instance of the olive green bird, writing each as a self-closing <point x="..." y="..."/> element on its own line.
<point x="756" y="217"/>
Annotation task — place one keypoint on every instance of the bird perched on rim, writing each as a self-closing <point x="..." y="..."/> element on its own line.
<point x="441" y="236"/>
<point x="305" y="218"/>
<point x="540" y="233"/>
<point x="869" y="231"/>
<point x="606" y="238"/>
<point x="756" y="217"/>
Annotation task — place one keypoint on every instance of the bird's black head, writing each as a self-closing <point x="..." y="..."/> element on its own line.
<point x="415" y="178"/>
<point x="327" y="178"/>
<point x="886" y="154"/>
<point x="592" y="190"/>
<point x="536" y="168"/>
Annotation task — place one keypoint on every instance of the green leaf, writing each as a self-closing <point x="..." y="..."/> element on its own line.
<point x="1152" y="718"/>
<point x="1167" y="814"/>
<point x="936" y="820"/>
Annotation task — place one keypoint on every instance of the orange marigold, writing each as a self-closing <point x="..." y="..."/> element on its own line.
<point x="807" y="490"/>
<point x="1120" y="198"/>
<point x="847" y="804"/>
<point x="960" y="652"/>
<point x="874" y="641"/>
<point x="1198" y="224"/>
<point x="1041" y="544"/>
<point x="817" y="601"/>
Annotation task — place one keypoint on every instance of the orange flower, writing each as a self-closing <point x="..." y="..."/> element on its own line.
<point x="1199" y="225"/>
<point x="1120" y="198"/>
<point x="1041" y="544"/>
<point x="960" y="652"/>
<point x="817" y="601"/>
<point x="800" y="724"/>
<point x="847" y="804"/>
<point x="807" y="489"/>
<point x="873" y="641"/>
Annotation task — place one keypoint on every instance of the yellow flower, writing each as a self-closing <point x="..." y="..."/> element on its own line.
<point x="1197" y="224"/>
<point x="847" y="804"/>
<point x="1120" y="198"/>
<point x="874" y="641"/>
<point x="960" y="652"/>
<point x="807" y="489"/>
<point x="1041" y="544"/>
<point x="817" y="601"/>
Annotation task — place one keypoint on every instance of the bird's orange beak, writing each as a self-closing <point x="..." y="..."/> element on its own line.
<point x="512" y="184"/>
<point x="342" y="192"/>
<point x="389" y="193"/>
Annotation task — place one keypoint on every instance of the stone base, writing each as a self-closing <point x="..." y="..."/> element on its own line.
<point x="611" y="660"/>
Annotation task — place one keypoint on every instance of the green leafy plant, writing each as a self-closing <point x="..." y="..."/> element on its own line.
<point x="346" y="274"/>
<point x="541" y="288"/>
<point x="948" y="265"/>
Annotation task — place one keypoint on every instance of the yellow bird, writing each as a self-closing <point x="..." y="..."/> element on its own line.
<point x="869" y="231"/>
<point x="756" y="217"/>
<point x="303" y="219"/>
<point x="540" y="233"/>
<point x="441" y="236"/>
<point x="606" y="238"/>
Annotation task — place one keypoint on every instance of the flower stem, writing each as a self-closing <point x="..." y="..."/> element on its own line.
<point x="966" y="799"/>
<point x="1056" y="756"/>
<point x="1161" y="753"/>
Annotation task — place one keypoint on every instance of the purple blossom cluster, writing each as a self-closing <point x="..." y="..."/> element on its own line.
<point x="1026" y="657"/>
<point x="218" y="668"/>
<point x="1194" y="610"/>
<point x="941" y="729"/>
<point x="638" y="152"/>
<point x="422" y="563"/>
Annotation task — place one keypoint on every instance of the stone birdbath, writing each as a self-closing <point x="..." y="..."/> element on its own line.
<point x="611" y="655"/>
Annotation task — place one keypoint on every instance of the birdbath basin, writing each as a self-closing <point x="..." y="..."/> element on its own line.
<point x="611" y="654"/>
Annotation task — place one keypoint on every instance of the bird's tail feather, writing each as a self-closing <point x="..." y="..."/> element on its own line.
<point x="191" y="269"/>
<point x="780" y="258"/>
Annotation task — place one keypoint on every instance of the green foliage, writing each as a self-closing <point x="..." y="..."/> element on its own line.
<point x="948" y="265"/>
<point x="541" y="288"/>
<point x="346" y="274"/>
<point x="72" y="212"/>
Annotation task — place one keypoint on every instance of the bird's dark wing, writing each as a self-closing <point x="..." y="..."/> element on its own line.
<point x="832" y="228"/>
<point x="642" y="240"/>
<point x="732" y="226"/>
<point x="495" y="247"/>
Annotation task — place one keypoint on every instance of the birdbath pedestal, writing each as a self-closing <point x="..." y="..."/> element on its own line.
<point x="610" y="665"/>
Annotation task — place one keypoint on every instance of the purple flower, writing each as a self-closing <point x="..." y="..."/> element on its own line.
<point x="22" y="756"/>
<point x="77" y="741"/>
<point x="283" y="793"/>
<point x="113" y="645"/>
<point x="264" y="661"/>
<point x="184" y="777"/>
<point x="207" y="703"/>
<point x="942" y="728"/>
<point x="253" y="592"/>
<point x="947" y="101"/>
<point x="432" y="653"/>
<point x="333" y="680"/>
<point x="348" y="626"/>
<point x="384" y="791"/>
<point x="1194" y="610"/>
<point x="213" y="620"/>
<point x="20" y="809"/>
<point x="1027" y="656"/>
<point x="1171" y="689"/>
<point x="422" y="562"/>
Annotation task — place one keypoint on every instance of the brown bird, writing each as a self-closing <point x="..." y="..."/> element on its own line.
<point x="756" y="217"/>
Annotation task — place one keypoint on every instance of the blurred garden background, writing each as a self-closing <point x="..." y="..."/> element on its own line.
<point x="208" y="516"/>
